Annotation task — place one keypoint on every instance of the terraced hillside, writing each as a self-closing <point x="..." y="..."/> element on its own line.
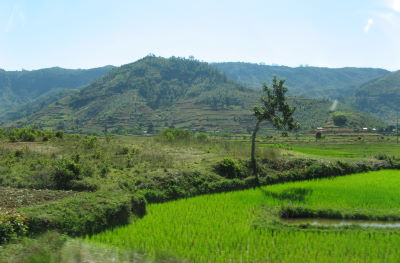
<point x="154" y="93"/>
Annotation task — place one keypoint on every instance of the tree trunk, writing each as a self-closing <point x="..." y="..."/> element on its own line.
<point x="253" y="148"/>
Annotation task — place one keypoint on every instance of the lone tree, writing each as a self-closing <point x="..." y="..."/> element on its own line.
<point x="275" y="110"/>
<point x="339" y="120"/>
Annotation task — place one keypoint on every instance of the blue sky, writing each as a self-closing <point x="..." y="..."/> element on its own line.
<point x="90" y="33"/>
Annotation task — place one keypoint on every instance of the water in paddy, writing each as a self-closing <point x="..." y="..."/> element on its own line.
<point x="341" y="222"/>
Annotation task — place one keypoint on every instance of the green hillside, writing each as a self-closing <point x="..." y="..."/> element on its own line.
<point x="312" y="82"/>
<point x="35" y="105"/>
<point x="20" y="87"/>
<point x="380" y="97"/>
<point x="154" y="93"/>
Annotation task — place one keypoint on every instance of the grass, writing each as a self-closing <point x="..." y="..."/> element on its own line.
<point x="220" y="228"/>
<point x="323" y="152"/>
<point x="372" y="190"/>
<point x="352" y="150"/>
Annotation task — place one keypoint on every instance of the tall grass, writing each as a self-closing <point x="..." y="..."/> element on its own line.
<point x="219" y="228"/>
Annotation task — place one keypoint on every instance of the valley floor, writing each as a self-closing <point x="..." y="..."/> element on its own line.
<point x="89" y="186"/>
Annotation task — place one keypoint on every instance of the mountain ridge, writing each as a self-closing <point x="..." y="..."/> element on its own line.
<point x="164" y="92"/>
<point x="311" y="82"/>
<point x="380" y="97"/>
<point x="20" y="87"/>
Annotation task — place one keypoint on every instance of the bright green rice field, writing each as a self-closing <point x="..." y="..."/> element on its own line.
<point x="220" y="227"/>
<point x="349" y="150"/>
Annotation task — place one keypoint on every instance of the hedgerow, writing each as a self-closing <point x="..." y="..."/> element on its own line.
<point x="85" y="213"/>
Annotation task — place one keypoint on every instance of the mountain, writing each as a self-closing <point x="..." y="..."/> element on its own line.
<point x="311" y="82"/>
<point x="20" y="87"/>
<point x="380" y="97"/>
<point x="35" y="105"/>
<point x="154" y="93"/>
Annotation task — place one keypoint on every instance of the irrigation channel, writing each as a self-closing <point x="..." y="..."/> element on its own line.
<point x="341" y="222"/>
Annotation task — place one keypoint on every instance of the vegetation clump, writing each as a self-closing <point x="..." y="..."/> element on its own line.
<point x="85" y="213"/>
<point x="12" y="225"/>
<point x="231" y="168"/>
<point x="174" y="135"/>
<point x="66" y="172"/>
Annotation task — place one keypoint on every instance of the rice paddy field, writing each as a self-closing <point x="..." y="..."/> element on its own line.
<point x="347" y="150"/>
<point x="222" y="227"/>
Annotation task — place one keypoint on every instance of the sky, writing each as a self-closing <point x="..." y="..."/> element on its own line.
<point x="92" y="33"/>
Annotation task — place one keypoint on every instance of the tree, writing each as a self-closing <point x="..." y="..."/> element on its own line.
<point x="339" y="120"/>
<point x="318" y="136"/>
<point x="150" y="128"/>
<point x="275" y="110"/>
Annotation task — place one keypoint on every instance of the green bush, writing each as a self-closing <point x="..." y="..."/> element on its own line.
<point x="85" y="213"/>
<point x="123" y="151"/>
<point x="173" y="135"/>
<point x="25" y="134"/>
<point x="230" y="168"/>
<point x="11" y="226"/>
<point x="59" y="134"/>
<point x="66" y="171"/>
<point x="202" y="137"/>
<point x="29" y="134"/>
<point x="89" y="142"/>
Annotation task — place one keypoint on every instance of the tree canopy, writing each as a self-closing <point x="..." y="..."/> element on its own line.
<point x="275" y="110"/>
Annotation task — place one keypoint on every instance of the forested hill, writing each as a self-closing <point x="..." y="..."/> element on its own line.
<point x="19" y="87"/>
<point x="380" y="97"/>
<point x="151" y="91"/>
<point x="154" y="93"/>
<point x="312" y="82"/>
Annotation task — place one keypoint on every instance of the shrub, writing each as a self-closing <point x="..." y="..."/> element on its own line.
<point x="339" y="119"/>
<point x="18" y="153"/>
<point x="173" y="134"/>
<point x="27" y="137"/>
<point x="230" y="168"/>
<point x="66" y="171"/>
<point x="89" y="142"/>
<point x="123" y="151"/>
<point x="26" y="134"/>
<point x="226" y="185"/>
<point x="11" y="226"/>
<point x="202" y="137"/>
<point x="59" y="134"/>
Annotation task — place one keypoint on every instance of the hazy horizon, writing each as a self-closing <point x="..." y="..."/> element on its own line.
<point x="210" y="62"/>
